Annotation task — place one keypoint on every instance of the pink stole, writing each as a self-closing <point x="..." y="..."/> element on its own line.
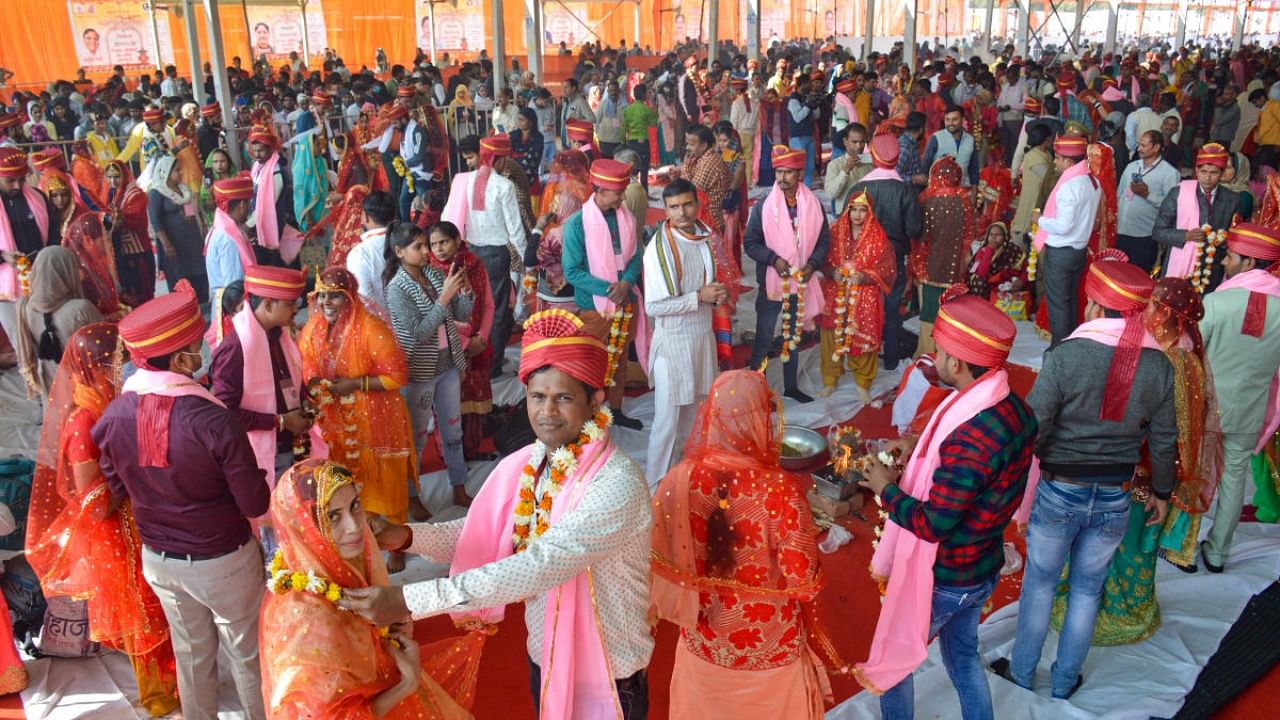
<point x="608" y="266"/>
<point x="270" y="235"/>
<point x="582" y="684"/>
<point x="793" y="243"/>
<point x="882" y="174"/>
<point x="458" y="207"/>
<point x="223" y="223"/>
<point x="10" y="288"/>
<point x="156" y="390"/>
<point x="1051" y="206"/>
<point x="1182" y="260"/>
<point x="850" y="111"/>
<point x="901" y="638"/>
<point x="1263" y="283"/>
<point x="258" y="383"/>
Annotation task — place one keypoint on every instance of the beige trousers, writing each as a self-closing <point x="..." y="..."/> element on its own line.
<point x="212" y="603"/>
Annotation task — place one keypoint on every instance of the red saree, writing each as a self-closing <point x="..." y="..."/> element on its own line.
<point x="871" y="254"/>
<point x="130" y="239"/>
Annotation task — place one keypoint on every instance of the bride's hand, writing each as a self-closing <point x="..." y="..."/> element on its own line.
<point x="405" y="652"/>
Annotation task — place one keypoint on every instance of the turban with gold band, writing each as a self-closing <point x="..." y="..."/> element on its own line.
<point x="236" y="188"/>
<point x="321" y="98"/>
<point x="610" y="174"/>
<point x="555" y="338"/>
<point x="264" y="135"/>
<point x="274" y="283"/>
<point x="406" y="91"/>
<point x="884" y="151"/>
<point x="972" y="329"/>
<point x="738" y="84"/>
<point x="579" y="130"/>
<point x="846" y="85"/>
<point x="13" y="163"/>
<point x="8" y="120"/>
<point x="49" y="159"/>
<point x="1213" y="154"/>
<point x="496" y="145"/>
<point x="785" y="157"/>
<point x="1072" y="146"/>
<point x="151" y="115"/>
<point x="211" y="110"/>
<point x="1033" y="106"/>
<point x="1118" y="285"/>
<point x="1260" y="243"/>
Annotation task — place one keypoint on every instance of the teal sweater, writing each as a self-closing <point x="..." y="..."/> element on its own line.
<point x="574" y="260"/>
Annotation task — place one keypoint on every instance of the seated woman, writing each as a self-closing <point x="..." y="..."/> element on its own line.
<point x="319" y="661"/>
<point x="998" y="272"/>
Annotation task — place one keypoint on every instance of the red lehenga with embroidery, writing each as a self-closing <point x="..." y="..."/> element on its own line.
<point x="79" y="548"/>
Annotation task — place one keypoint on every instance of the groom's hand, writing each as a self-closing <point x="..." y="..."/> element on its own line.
<point x="379" y="605"/>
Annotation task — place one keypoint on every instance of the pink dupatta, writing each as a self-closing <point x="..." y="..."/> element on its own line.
<point x="901" y="638"/>
<point x="153" y="412"/>
<point x="258" y="383"/>
<point x="10" y="288"/>
<point x="608" y="266"/>
<point x="1263" y="283"/>
<point x="882" y="174"/>
<point x="850" y="110"/>
<point x="582" y="686"/>
<point x="793" y="242"/>
<point x="1182" y="260"/>
<point x="270" y="235"/>
<point x="1051" y="205"/>
<point x="459" y="205"/>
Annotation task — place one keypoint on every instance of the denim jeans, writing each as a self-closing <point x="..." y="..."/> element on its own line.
<point x="956" y="611"/>
<point x="633" y="692"/>
<point x="443" y="397"/>
<point x="548" y="154"/>
<point x="1086" y="522"/>
<point x="805" y="144"/>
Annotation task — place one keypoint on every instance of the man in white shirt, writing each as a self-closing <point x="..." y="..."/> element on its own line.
<point x="1141" y="190"/>
<point x="367" y="259"/>
<point x="744" y="115"/>
<point x="482" y="203"/>
<point x="585" y="583"/>
<point x="1010" y="104"/>
<point x="1064" y="233"/>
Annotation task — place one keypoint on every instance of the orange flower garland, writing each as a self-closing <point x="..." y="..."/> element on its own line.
<point x="618" y="338"/>
<point x="533" y="516"/>
<point x="844" y="307"/>
<point x="791" y="337"/>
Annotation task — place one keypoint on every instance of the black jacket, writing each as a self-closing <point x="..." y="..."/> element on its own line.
<point x="1226" y="203"/>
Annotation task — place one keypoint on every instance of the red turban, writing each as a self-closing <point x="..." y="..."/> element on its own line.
<point x="162" y="326"/>
<point x="263" y="135"/>
<point x="738" y="84"/>
<point x="884" y="150"/>
<point x="211" y="110"/>
<point x="1066" y="80"/>
<point x="406" y="91"/>
<point x="846" y="85"/>
<point x="1072" y="146"/>
<point x="1034" y="106"/>
<point x="972" y="329"/>
<point x="1108" y="81"/>
<point x="496" y="145"/>
<point x="554" y="338"/>
<point x="275" y="283"/>
<point x="397" y="112"/>
<point x="1213" y="154"/>
<point x="13" y="163"/>
<point x="945" y="80"/>
<point x="8" y="120"/>
<point x="578" y="130"/>
<point x="320" y="97"/>
<point x="1116" y="284"/>
<point x="48" y="158"/>
<point x="236" y="188"/>
<point x="151" y="115"/>
<point x="1256" y="241"/>
<point x="610" y="174"/>
<point x="786" y="157"/>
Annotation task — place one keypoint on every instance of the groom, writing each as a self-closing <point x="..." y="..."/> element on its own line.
<point x="562" y="525"/>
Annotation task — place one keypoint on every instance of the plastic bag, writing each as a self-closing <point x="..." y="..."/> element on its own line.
<point x="837" y="536"/>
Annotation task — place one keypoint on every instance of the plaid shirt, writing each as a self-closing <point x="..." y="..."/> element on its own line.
<point x="909" y="162"/>
<point x="976" y="489"/>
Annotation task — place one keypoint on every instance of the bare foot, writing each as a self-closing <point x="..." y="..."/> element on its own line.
<point x="865" y="395"/>
<point x="417" y="511"/>
<point x="460" y="497"/>
<point x="395" y="562"/>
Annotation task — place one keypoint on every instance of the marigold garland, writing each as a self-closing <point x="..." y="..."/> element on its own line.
<point x="1203" y="269"/>
<point x="845" y="323"/>
<point x="1033" y="255"/>
<point x="322" y="396"/>
<point x="24" y="274"/>
<point x="282" y="580"/>
<point x="533" y="516"/>
<point x="791" y="338"/>
<point x="618" y="338"/>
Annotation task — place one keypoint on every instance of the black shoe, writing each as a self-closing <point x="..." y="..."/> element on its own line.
<point x="1188" y="569"/>
<point x="1000" y="666"/>
<point x="629" y="423"/>
<point x="1074" y="688"/>
<point x="1205" y="559"/>
<point x="798" y="396"/>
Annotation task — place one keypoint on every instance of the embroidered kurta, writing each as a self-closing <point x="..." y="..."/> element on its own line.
<point x="675" y="269"/>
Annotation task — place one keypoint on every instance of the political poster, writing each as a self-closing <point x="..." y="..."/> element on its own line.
<point x="559" y="25"/>
<point x="458" y="25"/>
<point x="118" y="32"/>
<point x="276" y="31"/>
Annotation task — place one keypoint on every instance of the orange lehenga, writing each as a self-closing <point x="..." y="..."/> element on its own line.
<point x="371" y="433"/>
<point x="320" y="662"/>
<point x="76" y="547"/>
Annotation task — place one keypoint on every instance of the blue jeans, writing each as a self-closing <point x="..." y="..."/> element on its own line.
<point x="805" y="144"/>
<point x="548" y="154"/>
<point x="443" y="397"/>
<point x="956" y="611"/>
<point x="1086" y="522"/>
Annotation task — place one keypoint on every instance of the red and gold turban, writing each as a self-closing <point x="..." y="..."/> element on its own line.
<point x="162" y="326"/>
<point x="13" y="163"/>
<point x="274" y="283"/>
<point x="1256" y="241"/>
<point x="397" y="112"/>
<point x="1066" y="80"/>
<point x="555" y="338"/>
<point x="786" y="157"/>
<point x="264" y="135"/>
<point x="406" y="91"/>
<point x="738" y="84"/>
<point x="8" y="120"/>
<point x="972" y="329"/>
<point x="1034" y="106"/>
<point x="151" y="115"/>
<point x="609" y="174"/>
<point x="50" y="158"/>
<point x="236" y="188"/>
<point x="211" y="110"/>
<point x="320" y="97"/>
<point x="1109" y="82"/>
<point x="1116" y="284"/>
<point x="579" y="130"/>
<point x="1072" y="146"/>
<point x="496" y="145"/>
<point x="1213" y="154"/>
<point x="884" y="150"/>
<point x="846" y="85"/>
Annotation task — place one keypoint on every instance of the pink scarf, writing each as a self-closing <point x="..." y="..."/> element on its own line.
<point x="1051" y="207"/>
<point x="850" y="111"/>
<point x="793" y="242"/>
<point x="270" y="235"/>
<point x="882" y="174"/>
<point x="582" y="686"/>
<point x="901" y="638"/>
<point x="10" y="288"/>
<point x="1182" y="260"/>
<point x="458" y="206"/>
<point x="156" y="390"/>
<point x="606" y="265"/>
<point x="1260" y="283"/>
<point x="223" y="223"/>
<point x="258" y="383"/>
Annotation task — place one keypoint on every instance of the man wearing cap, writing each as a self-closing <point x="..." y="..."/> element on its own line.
<point x="209" y="135"/>
<point x="897" y="206"/>
<point x="602" y="260"/>
<point x="845" y="111"/>
<point x="228" y="249"/>
<point x="948" y="505"/>
<point x="482" y="204"/>
<point x="587" y="523"/>
<point x="802" y="115"/>
<point x="1100" y="395"/>
<point x="849" y="169"/>
<point x="744" y="115"/>
<point x="25" y="229"/>
<point x="954" y="141"/>
<point x="272" y="216"/>
<point x="1011" y="104"/>
<point x="1063" y="234"/>
<point x="788" y="237"/>
<point x="387" y="144"/>
<point x="154" y="138"/>
<point x="257" y="371"/>
<point x="1241" y="330"/>
<point x="1187" y="209"/>
<point x="182" y="460"/>
<point x="581" y="135"/>
<point x="1143" y="186"/>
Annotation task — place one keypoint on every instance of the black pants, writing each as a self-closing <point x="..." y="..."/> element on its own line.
<point x="642" y="149"/>
<point x="767" y="312"/>
<point x="892" y="334"/>
<point x="608" y="149"/>
<point x="1142" y="251"/>
<point x="1062" y="270"/>
<point x="633" y="693"/>
<point x="497" y="263"/>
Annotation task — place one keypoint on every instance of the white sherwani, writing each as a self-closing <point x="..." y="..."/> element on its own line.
<point x="682" y="354"/>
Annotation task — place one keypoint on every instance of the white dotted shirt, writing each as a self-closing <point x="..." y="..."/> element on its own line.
<point x="607" y="533"/>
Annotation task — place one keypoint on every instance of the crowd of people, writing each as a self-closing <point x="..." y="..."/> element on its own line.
<point x="1127" y="203"/>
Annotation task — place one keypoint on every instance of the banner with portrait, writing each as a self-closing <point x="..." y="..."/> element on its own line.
<point x="276" y="31"/>
<point x="773" y="21"/>
<point x="459" y="25"/>
<point x="118" y="32"/>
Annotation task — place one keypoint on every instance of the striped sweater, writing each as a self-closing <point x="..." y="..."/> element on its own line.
<point x="416" y="318"/>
